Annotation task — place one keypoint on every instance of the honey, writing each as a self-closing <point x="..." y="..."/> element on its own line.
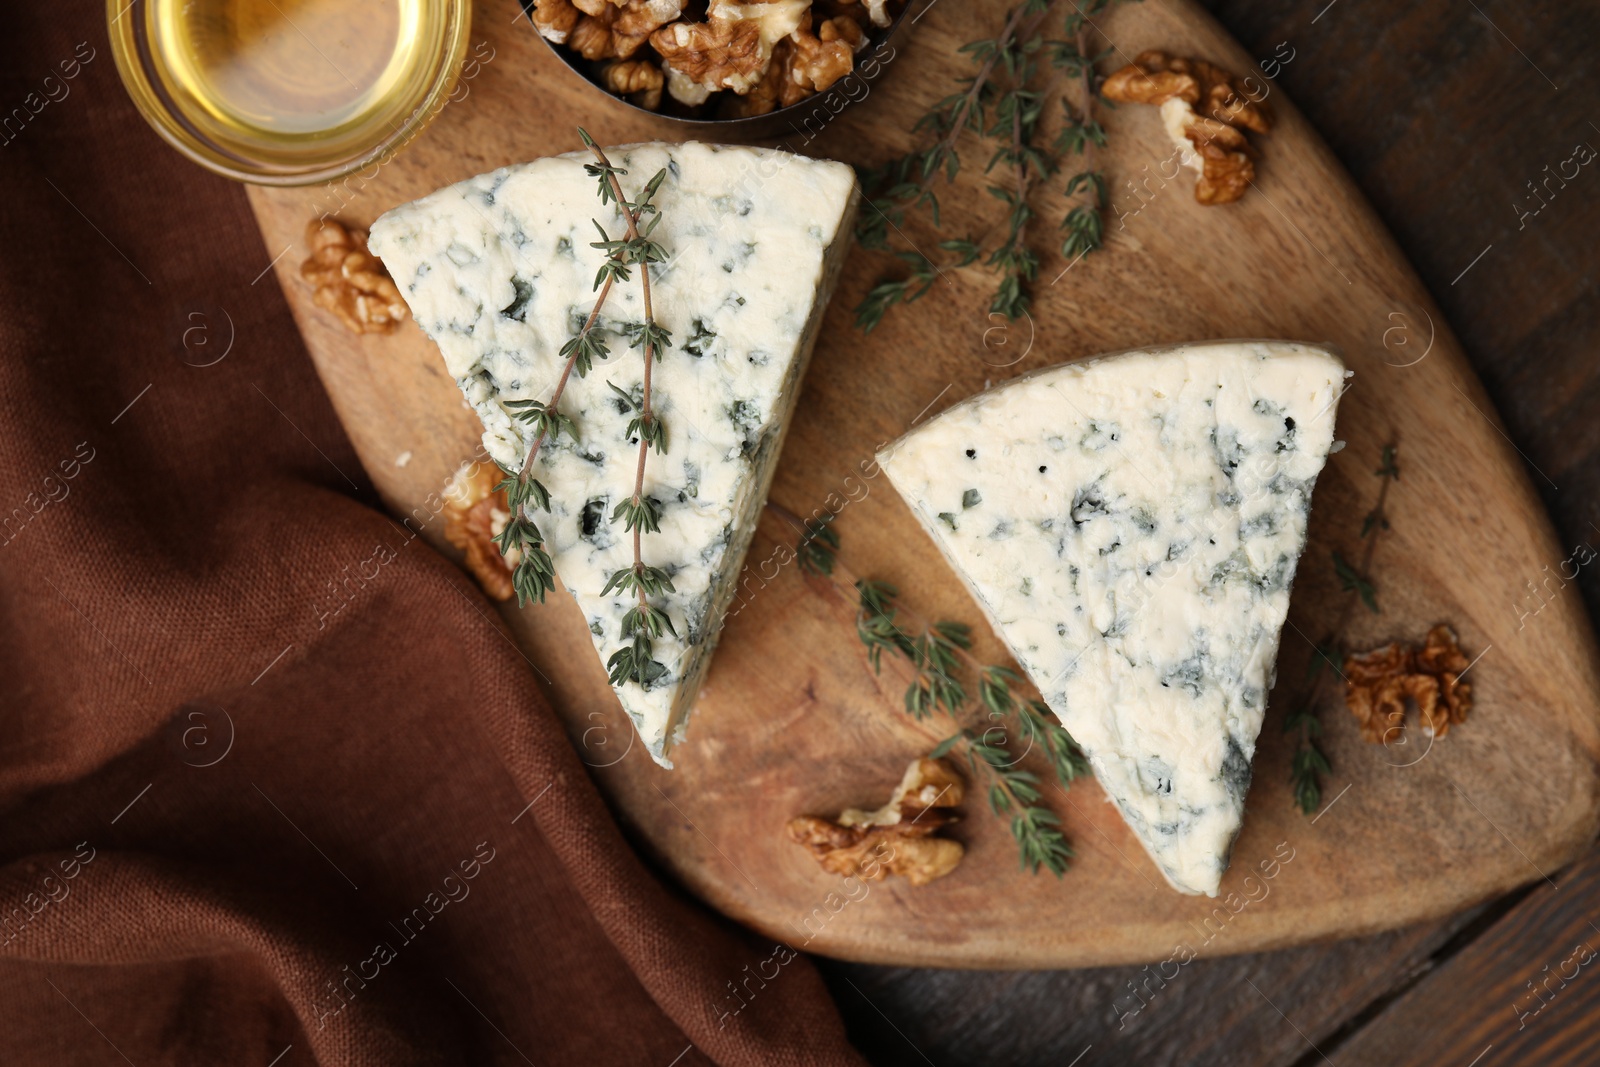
<point x="290" y="85"/>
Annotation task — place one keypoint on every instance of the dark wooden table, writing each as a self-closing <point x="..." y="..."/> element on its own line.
<point x="1444" y="111"/>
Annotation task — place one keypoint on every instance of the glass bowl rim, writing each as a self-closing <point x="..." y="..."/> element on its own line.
<point x="150" y="101"/>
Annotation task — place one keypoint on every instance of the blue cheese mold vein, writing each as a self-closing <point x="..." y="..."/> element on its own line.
<point x="498" y="271"/>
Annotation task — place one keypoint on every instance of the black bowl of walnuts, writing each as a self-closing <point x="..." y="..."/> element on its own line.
<point x="756" y="68"/>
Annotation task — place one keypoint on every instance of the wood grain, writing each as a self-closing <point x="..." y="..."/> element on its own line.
<point x="792" y="720"/>
<point x="1208" y="1016"/>
<point x="1525" y="992"/>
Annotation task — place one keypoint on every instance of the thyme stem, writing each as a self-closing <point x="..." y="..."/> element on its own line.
<point x="632" y="217"/>
<point x="642" y="624"/>
<point x="980" y="82"/>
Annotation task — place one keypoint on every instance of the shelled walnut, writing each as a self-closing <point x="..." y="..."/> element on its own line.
<point x="813" y="64"/>
<point x="349" y="280"/>
<point x="474" y="514"/>
<point x="1206" y="110"/>
<point x="607" y="30"/>
<point x="896" y="838"/>
<point x="635" y="79"/>
<point x="1379" y="683"/>
<point x="720" y="53"/>
<point x="756" y="55"/>
<point x="555" y="19"/>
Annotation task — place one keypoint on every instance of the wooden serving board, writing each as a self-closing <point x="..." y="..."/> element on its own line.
<point x="792" y="719"/>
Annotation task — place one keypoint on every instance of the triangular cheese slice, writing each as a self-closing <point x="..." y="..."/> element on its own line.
<point x="1131" y="526"/>
<point x="499" y="272"/>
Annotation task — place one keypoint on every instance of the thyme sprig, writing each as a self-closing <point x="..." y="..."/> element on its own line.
<point x="1039" y="725"/>
<point x="818" y="546"/>
<point x="1002" y="102"/>
<point x="1358" y="580"/>
<point x="1081" y="134"/>
<point x="1353" y="582"/>
<point x="937" y="655"/>
<point x="1309" y="762"/>
<point x="934" y="652"/>
<point x="1016" y="122"/>
<point x="891" y="291"/>
<point x="941" y="657"/>
<point x="635" y="661"/>
<point x="535" y="572"/>
<point x="907" y="182"/>
<point x="1015" y="792"/>
<point x="1389" y="471"/>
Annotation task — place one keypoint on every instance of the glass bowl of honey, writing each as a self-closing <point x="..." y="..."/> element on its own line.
<point x="288" y="92"/>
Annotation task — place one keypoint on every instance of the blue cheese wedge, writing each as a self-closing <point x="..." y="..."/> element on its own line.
<point x="499" y="272"/>
<point x="1131" y="526"/>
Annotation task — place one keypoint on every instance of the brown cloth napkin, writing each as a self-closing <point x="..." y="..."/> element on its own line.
<point x="238" y="827"/>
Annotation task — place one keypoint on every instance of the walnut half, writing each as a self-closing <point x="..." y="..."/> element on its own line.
<point x="813" y="62"/>
<point x="896" y="838"/>
<point x="350" y="281"/>
<point x="1205" y="110"/>
<point x="474" y="514"/>
<point x="555" y="19"/>
<point x="1379" y="683"/>
<point x="732" y="49"/>
<point x="637" y="79"/>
